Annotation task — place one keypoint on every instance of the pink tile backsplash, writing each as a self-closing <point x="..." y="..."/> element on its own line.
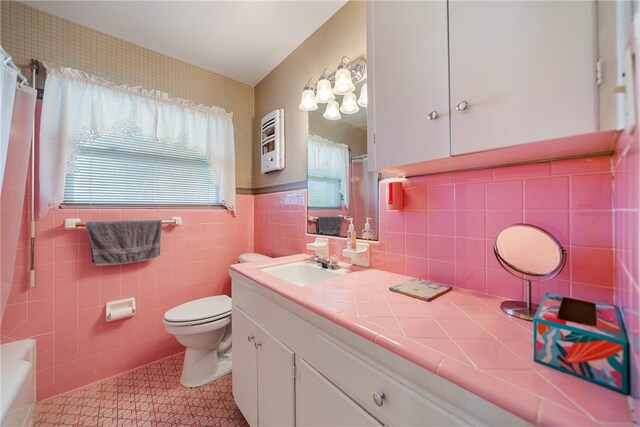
<point x="446" y="231"/>
<point x="469" y="197"/>
<point x="549" y="193"/>
<point x="505" y="195"/>
<point x="274" y="211"/>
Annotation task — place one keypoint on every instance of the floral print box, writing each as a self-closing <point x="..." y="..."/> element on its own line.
<point x="597" y="350"/>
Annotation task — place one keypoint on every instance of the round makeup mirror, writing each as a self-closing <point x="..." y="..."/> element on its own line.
<point x="529" y="253"/>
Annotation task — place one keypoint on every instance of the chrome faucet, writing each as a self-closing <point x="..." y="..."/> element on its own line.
<point x="324" y="262"/>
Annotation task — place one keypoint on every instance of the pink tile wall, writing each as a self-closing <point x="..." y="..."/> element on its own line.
<point x="626" y="234"/>
<point x="65" y="311"/>
<point x="447" y="229"/>
<point x="280" y="223"/>
<point x="626" y="218"/>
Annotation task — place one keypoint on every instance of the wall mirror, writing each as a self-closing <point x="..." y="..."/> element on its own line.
<point x="529" y="253"/>
<point x="339" y="185"/>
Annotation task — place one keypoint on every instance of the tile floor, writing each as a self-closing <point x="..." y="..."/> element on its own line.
<point x="148" y="396"/>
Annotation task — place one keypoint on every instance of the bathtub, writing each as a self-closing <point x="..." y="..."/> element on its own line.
<point x="17" y="382"/>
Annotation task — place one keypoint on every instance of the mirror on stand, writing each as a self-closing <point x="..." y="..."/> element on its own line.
<point x="529" y="253"/>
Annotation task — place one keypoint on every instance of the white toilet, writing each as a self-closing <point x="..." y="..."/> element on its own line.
<point x="203" y="326"/>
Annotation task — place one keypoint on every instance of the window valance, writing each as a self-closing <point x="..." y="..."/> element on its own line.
<point x="79" y="109"/>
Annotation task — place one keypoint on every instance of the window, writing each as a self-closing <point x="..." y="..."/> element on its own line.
<point x="328" y="176"/>
<point x="103" y="144"/>
<point x="134" y="171"/>
<point x="323" y="191"/>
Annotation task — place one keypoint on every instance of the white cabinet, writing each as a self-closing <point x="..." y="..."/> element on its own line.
<point x="263" y="374"/>
<point x="497" y="74"/>
<point x="320" y="403"/>
<point x="408" y="74"/>
<point x="383" y="396"/>
<point x="526" y="70"/>
<point x="340" y="378"/>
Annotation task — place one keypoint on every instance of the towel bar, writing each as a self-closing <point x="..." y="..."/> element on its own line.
<point x="76" y="223"/>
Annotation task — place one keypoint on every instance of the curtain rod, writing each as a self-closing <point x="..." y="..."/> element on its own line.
<point x="9" y="61"/>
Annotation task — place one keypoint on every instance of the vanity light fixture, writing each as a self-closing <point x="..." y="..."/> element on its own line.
<point x="332" y="112"/>
<point x="324" y="93"/>
<point x="341" y="82"/>
<point x="344" y="83"/>
<point x="308" y="101"/>
<point x="349" y="104"/>
<point x="364" y="99"/>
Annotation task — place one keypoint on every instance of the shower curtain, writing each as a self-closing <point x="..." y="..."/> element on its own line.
<point x="8" y="78"/>
<point x="14" y="183"/>
<point x="365" y="194"/>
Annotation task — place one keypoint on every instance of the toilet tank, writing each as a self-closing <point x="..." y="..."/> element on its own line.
<point x="249" y="257"/>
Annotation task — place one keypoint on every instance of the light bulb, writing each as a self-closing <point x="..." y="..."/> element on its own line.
<point x="324" y="93"/>
<point x="343" y="82"/>
<point x="364" y="99"/>
<point x="349" y="105"/>
<point x="332" y="112"/>
<point x="308" y="101"/>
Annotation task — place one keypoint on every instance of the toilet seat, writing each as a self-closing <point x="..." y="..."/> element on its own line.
<point x="199" y="311"/>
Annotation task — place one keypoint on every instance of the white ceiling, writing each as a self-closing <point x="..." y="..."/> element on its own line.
<point x="243" y="40"/>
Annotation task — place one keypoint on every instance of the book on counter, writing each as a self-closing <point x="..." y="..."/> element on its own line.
<point x="421" y="289"/>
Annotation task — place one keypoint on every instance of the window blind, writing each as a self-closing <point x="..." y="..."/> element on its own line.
<point x="129" y="170"/>
<point x="323" y="192"/>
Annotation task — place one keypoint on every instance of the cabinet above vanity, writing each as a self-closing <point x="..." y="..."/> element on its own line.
<point x="516" y="78"/>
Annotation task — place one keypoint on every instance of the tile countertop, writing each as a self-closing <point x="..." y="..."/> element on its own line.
<point x="462" y="336"/>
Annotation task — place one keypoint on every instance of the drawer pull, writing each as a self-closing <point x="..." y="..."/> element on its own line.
<point x="462" y="105"/>
<point x="378" y="398"/>
<point x="250" y="338"/>
<point x="433" y="115"/>
<point x="257" y="345"/>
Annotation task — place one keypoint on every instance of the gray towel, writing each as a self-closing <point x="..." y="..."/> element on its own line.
<point x="329" y="225"/>
<point x="124" y="242"/>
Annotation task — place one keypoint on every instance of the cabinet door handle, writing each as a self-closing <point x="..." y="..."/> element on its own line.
<point x="433" y="115"/>
<point x="250" y="338"/>
<point x="462" y="105"/>
<point x="378" y="398"/>
<point x="257" y="345"/>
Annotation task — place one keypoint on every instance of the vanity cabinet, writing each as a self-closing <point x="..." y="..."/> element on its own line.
<point x="263" y="374"/>
<point x="340" y="377"/>
<point x="457" y="77"/>
<point x="320" y="403"/>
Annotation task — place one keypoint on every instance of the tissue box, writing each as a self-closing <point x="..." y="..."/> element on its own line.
<point x="582" y="339"/>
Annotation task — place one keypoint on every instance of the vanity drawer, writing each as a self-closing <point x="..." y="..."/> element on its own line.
<point x="384" y="397"/>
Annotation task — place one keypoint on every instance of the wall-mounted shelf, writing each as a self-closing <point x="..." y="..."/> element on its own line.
<point x="360" y="256"/>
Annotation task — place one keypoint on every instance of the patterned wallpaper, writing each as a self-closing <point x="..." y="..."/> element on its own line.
<point x="344" y="34"/>
<point x="30" y="33"/>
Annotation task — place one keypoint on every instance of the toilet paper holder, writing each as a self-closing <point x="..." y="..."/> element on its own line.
<point x="120" y="309"/>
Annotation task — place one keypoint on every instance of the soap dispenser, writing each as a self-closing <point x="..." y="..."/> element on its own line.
<point x="351" y="235"/>
<point x="367" y="234"/>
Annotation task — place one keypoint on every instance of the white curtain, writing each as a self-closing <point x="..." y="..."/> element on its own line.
<point x="14" y="186"/>
<point x="8" y="77"/>
<point x="78" y="107"/>
<point x="332" y="158"/>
